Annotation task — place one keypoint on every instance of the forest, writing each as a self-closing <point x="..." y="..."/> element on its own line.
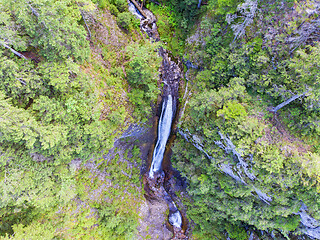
<point x="76" y="76"/>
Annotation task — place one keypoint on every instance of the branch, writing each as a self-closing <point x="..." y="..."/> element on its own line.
<point x="227" y="168"/>
<point x="23" y="82"/>
<point x="275" y="109"/>
<point x="230" y="147"/>
<point x="198" y="146"/>
<point x="34" y="11"/>
<point x="239" y="33"/>
<point x="14" y="51"/>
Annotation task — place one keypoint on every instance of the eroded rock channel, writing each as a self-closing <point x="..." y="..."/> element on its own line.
<point x="159" y="174"/>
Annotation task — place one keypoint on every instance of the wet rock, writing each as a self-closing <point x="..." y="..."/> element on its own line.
<point x="152" y="224"/>
<point x="170" y="76"/>
<point x="178" y="234"/>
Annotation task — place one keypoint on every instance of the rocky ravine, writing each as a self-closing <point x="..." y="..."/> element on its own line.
<point x="154" y="183"/>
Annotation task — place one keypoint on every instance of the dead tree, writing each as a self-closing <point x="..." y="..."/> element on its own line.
<point x="308" y="30"/>
<point x="281" y="105"/>
<point x="85" y="22"/>
<point x="247" y="11"/>
<point x="12" y="50"/>
<point x="35" y="12"/>
<point x="226" y="168"/>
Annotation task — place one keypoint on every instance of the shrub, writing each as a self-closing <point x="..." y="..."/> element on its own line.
<point x="124" y="20"/>
<point x="120" y="4"/>
<point x="113" y="10"/>
<point x="103" y="4"/>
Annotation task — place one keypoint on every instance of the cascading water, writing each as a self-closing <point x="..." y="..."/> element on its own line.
<point x="164" y="128"/>
<point x="170" y="76"/>
<point x="134" y="11"/>
<point x="175" y="219"/>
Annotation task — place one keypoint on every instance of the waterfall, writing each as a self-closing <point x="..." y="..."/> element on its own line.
<point x="164" y="128"/>
<point x="170" y="78"/>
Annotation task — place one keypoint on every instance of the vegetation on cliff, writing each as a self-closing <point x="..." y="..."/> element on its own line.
<point x="251" y="167"/>
<point x="69" y="85"/>
<point x="75" y="74"/>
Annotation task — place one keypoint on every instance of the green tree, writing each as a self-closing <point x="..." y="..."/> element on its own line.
<point x="124" y="20"/>
<point x="142" y="74"/>
<point x="51" y="26"/>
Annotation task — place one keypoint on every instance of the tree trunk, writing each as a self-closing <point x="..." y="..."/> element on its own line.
<point x="275" y="109"/>
<point x="139" y="8"/>
<point x="14" y="51"/>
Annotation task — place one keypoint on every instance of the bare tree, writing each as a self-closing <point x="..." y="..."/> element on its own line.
<point x="84" y="19"/>
<point x="247" y="12"/>
<point x="281" y="105"/>
<point x="13" y="51"/>
<point x="309" y="29"/>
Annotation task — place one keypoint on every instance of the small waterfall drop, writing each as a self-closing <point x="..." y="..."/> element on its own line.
<point x="175" y="219"/>
<point x="134" y="11"/>
<point x="164" y="128"/>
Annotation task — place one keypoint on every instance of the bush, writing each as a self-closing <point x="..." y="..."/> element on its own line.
<point x="120" y="4"/>
<point x="113" y="10"/>
<point x="103" y="4"/>
<point x="124" y="20"/>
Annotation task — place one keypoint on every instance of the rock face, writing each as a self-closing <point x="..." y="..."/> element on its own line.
<point x="152" y="224"/>
<point x="149" y="26"/>
<point x="158" y="192"/>
<point x="311" y="226"/>
<point x="170" y="74"/>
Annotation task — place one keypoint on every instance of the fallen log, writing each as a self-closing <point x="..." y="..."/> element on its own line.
<point x="14" y="51"/>
<point x="139" y="8"/>
<point x="275" y="109"/>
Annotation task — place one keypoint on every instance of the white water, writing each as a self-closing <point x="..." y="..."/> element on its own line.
<point x="164" y="128"/>
<point x="175" y="219"/>
<point x="134" y="11"/>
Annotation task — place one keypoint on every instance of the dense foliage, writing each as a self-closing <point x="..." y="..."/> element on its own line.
<point x="256" y="168"/>
<point x="74" y="74"/>
<point x="61" y="110"/>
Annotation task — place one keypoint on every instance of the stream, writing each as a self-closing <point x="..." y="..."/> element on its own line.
<point x="170" y="76"/>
